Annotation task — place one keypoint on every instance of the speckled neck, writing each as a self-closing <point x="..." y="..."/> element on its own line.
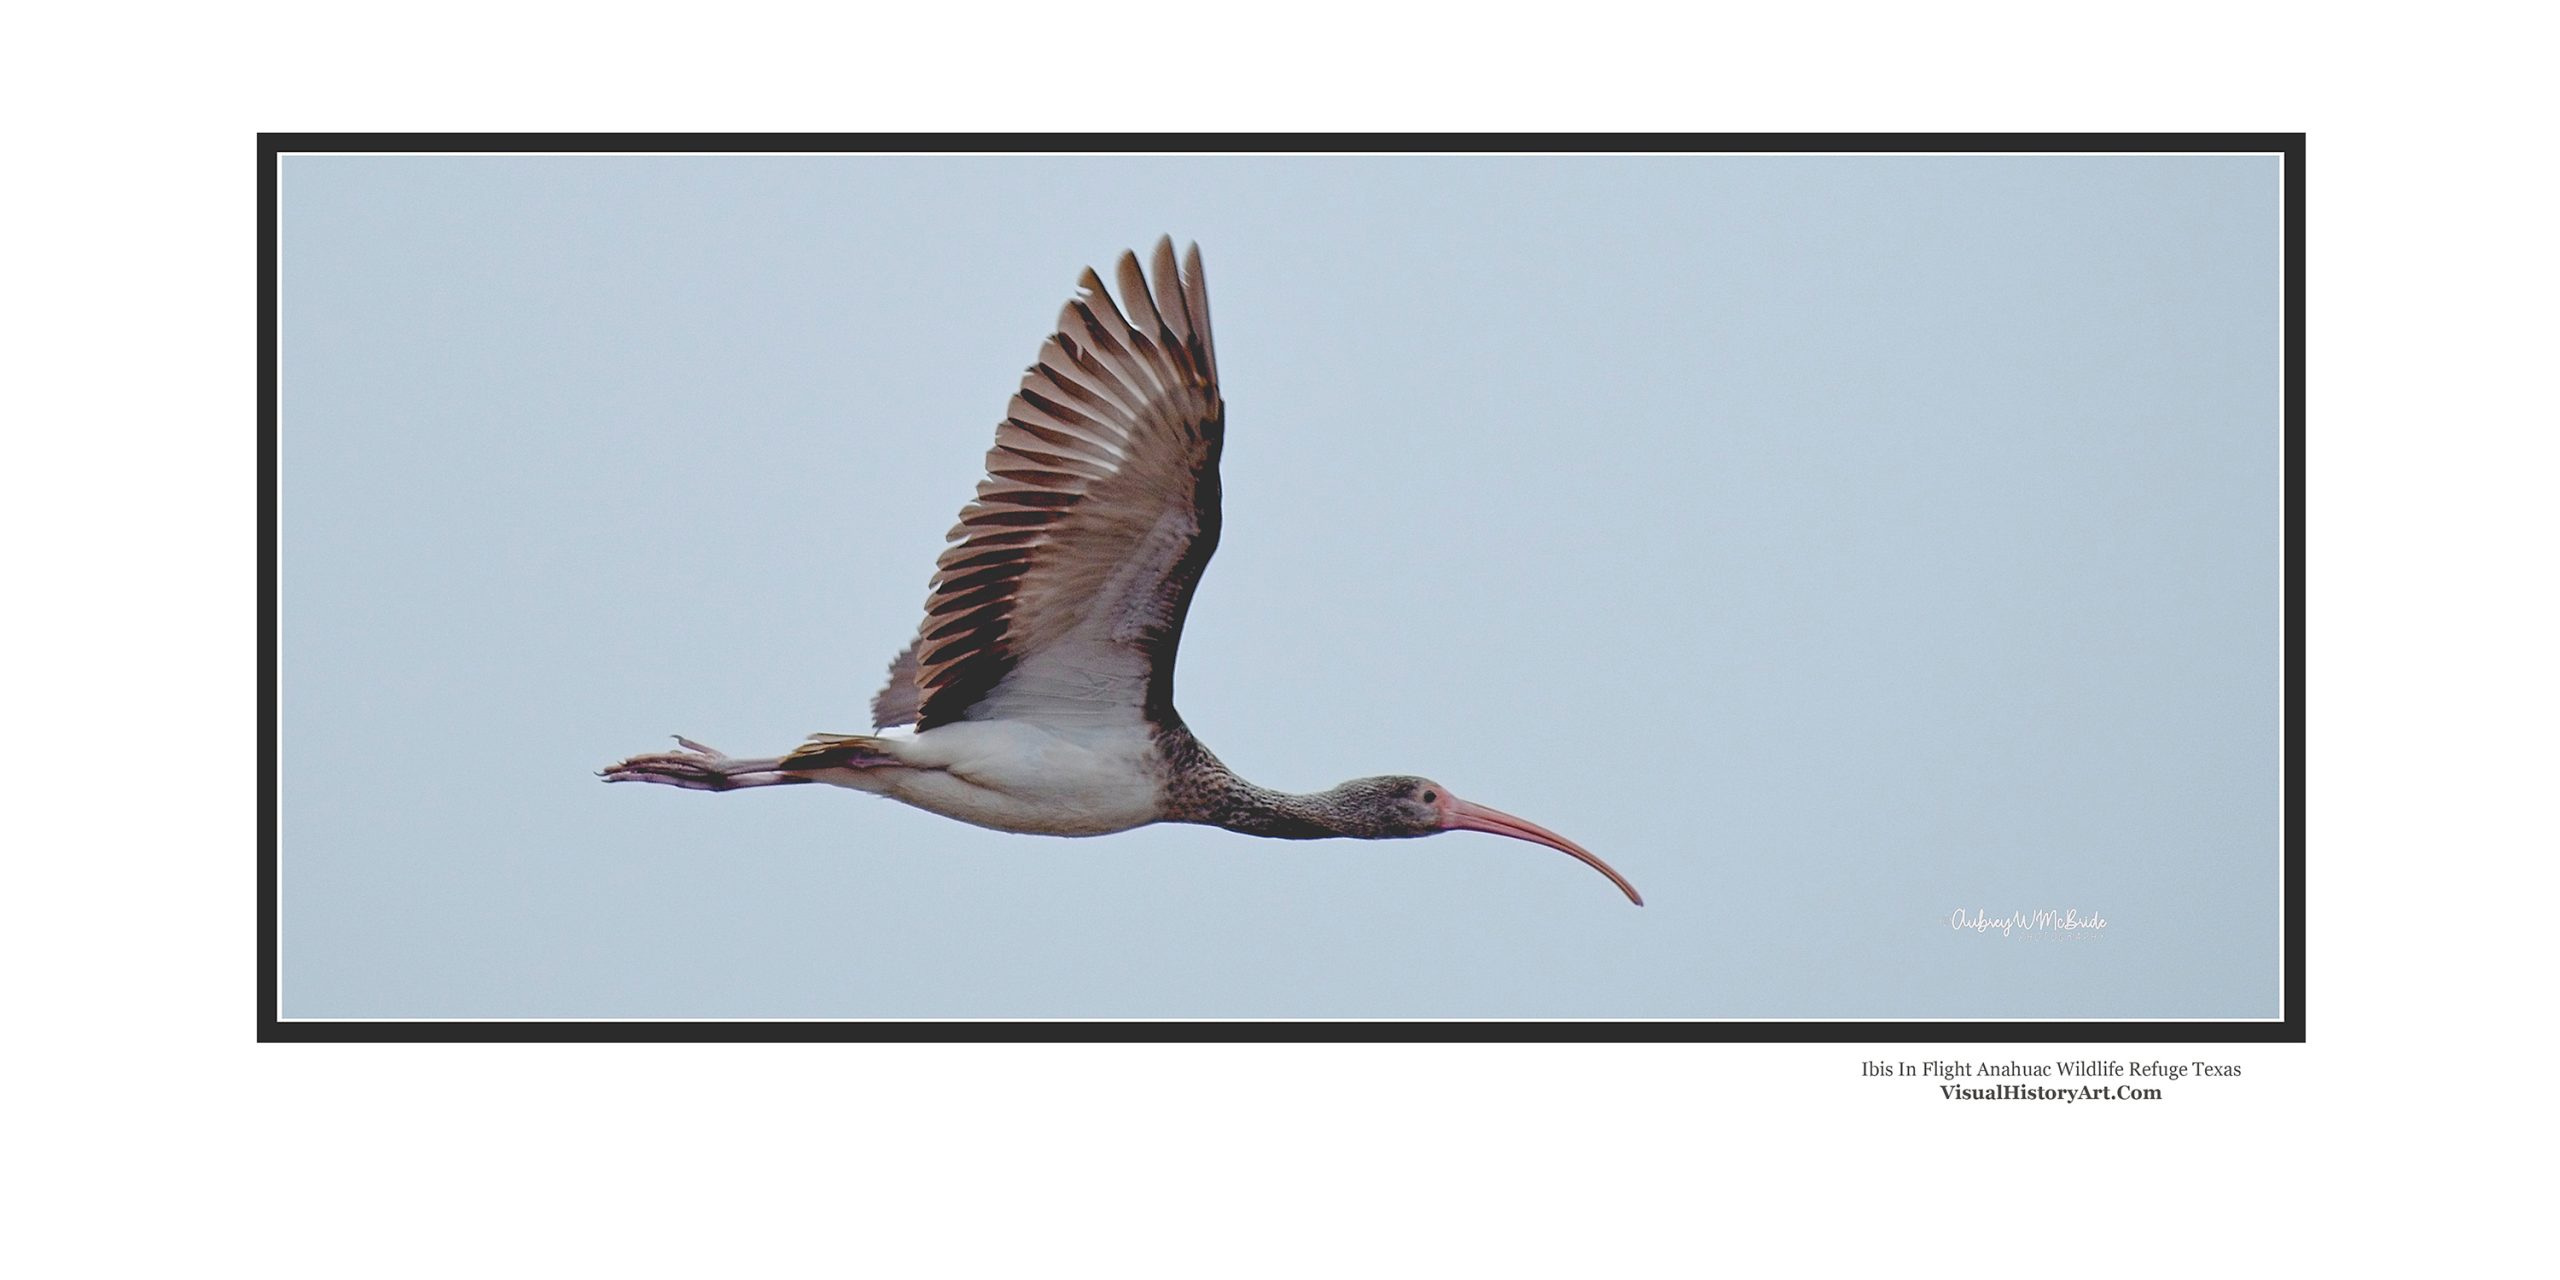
<point x="1198" y="787"/>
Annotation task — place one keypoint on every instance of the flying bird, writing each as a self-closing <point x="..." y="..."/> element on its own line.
<point x="1037" y="696"/>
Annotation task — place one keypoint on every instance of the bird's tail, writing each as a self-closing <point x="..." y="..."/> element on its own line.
<point x="840" y="751"/>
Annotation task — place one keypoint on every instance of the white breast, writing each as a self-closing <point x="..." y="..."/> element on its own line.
<point x="1013" y="775"/>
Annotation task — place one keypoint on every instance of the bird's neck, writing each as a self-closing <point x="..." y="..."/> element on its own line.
<point x="1200" y="788"/>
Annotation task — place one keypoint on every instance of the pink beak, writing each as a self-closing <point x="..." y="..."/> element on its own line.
<point x="1459" y="815"/>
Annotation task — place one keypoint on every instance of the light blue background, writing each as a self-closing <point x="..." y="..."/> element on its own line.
<point x="1831" y="543"/>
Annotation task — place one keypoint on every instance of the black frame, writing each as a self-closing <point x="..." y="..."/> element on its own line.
<point x="2286" y="1030"/>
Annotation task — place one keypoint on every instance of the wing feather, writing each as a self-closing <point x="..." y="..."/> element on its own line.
<point x="1063" y="589"/>
<point x="897" y="701"/>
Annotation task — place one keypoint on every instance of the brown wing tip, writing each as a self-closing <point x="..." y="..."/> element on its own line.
<point x="1134" y="279"/>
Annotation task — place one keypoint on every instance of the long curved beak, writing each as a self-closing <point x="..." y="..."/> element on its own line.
<point x="1460" y="815"/>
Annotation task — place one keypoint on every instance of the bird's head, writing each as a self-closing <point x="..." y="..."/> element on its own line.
<point x="1400" y="805"/>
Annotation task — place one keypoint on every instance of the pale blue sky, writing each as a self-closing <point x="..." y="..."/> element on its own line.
<point x="1831" y="543"/>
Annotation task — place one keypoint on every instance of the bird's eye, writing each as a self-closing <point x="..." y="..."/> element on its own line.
<point x="1431" y="797"/>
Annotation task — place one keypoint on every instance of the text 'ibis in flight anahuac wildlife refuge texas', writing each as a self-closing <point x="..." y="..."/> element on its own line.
<point x="1038" y="694"/>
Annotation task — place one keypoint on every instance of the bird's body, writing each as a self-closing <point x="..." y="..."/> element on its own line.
<point x="1037" y="696"/>
<point x="1017" y="775"/>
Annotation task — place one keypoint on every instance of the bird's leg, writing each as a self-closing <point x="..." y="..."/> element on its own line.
<point x="696" y="767"/>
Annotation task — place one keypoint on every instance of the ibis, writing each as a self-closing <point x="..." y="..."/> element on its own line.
<point x="1037" y="695"/>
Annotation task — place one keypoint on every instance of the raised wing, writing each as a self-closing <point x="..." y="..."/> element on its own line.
<point x="1062" y="593"/>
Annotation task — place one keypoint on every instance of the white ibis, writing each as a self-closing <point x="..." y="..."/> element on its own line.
<point x="1038" y="695"/>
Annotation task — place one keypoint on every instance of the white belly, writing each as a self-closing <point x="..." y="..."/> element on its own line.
<point x="1016" y="776"/>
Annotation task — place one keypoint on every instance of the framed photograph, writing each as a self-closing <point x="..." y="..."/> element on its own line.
<point x="1676" y="587"/>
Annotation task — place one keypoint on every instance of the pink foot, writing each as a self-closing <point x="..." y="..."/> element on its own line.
<point x="696" y="767"/>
